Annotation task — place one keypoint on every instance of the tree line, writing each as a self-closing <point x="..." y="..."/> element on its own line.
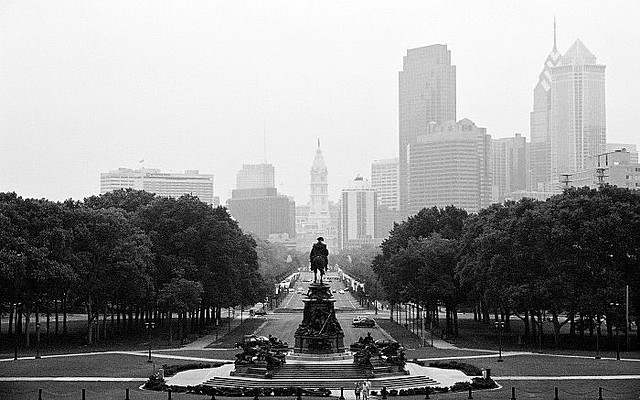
<point x="570" y="258"/>
<point x="127" y="257"/>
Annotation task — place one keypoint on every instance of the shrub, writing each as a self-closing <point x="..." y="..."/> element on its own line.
<point x="467" y="369"/>
<point x="481" y="383"/>
<point x="460" y="386"/>
<point x="170" y="370"/>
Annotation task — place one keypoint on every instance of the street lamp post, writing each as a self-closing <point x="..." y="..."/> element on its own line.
<point x="15" y="333"/>
<point x="599" y="323"/>
<point x="617" y="322"/>
<point x="499" y="325"/>
<point x="37" y="339"/>
<point x="149" y="326"/>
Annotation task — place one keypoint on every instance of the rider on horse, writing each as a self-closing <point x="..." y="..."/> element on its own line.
<point x="319" y="258"/>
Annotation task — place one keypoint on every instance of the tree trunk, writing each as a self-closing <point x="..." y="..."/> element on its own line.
<point x="104" y="323"/>
<point x="89" y="323"/>
<point x="526" y="324"/>
<point x="19" y="319"/>
<point x="55" y="309"/>
<point x="27" y="325"/>
<point x="181" y="326"/>
<point x="572" y="326"/>
<point x="540" y="329"/>
<point x="556" y="329"/>
<point x="170" y="327"/>
<point x="48" y="323"/>
<point x="10" y="331"/>
<point x="64" y="315"/>
<point x="455" y="320"/>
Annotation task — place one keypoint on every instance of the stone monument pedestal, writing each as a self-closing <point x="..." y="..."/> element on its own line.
<point x="319" y="332"/>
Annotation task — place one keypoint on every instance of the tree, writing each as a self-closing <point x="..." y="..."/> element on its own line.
<point x="179" y="296"/>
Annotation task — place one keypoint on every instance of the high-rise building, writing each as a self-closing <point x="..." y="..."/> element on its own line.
<point x="256" y="176"/>
<point x="427" y="94"/>
<point x="578" y="118"/>
<point x="510" y="167"/>
<point x="540" y="124"/>
<point x="568" y="121"/>
<point x="161" y="183"/>
<point x="451" y="165"/>
<point x="358" y="205"/>
<point x="384" y="179"/>
<point x="263" y="212"/>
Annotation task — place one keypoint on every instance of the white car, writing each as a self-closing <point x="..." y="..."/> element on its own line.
<point x="341" y="291"/>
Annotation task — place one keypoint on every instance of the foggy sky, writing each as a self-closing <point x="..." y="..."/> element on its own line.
<point x="89" y="86"/>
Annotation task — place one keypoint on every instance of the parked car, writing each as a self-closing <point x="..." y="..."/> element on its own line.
<point x="260" y="312"/>
<point x="341" y="291"/>
<point x="363" y="322"/>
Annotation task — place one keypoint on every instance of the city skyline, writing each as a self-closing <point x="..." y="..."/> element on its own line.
<point x="90" y="87"/>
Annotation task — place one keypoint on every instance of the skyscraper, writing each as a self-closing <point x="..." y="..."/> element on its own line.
<point x="578" y="118"/>
<point x="427" y="94"/>
<point x="540" y="123"/>
<point x="358" y="210"/>
<point x="510" y="165"/>
<point x="165" y="184"/>
<point x="568" y="121"/>
<point x="450" y="165"/>
<point x="256" y="176"/>
<point x="384" y="179"/>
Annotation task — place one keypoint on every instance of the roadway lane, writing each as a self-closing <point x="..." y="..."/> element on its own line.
<point x="284" y="325"/>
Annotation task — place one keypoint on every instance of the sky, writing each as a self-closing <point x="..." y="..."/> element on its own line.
<point x="89" y="86"/>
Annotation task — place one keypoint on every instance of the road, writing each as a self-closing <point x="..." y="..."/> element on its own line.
<point x="284" y="324"/>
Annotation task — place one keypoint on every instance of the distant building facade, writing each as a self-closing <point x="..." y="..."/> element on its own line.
<point x="613" y="168"/>
<point x="510" y="166"/>
<point x="317" y="219"/>
<point x="358" y="204"/>
<point x="630" y="148"/>
<point x="427" y="94"/>
<point x="384" y="179"/>
<point x="451" y="165"/>
<point x="264" y="212"/>
<point x="256" y="176"/>
<point x="161" y="183"/>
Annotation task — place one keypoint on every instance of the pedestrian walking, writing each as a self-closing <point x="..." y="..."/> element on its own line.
<point x="357" y="388"/>
<point x="366" y="390"/>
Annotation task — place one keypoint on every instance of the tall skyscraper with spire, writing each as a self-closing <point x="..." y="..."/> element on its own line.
<point x="427" y="95"/>
<point x="540" y="122"/>
<point x="568" y="121"/>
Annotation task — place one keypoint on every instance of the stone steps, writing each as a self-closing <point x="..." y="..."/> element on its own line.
<point x="311" y="371"/>
<point x="394" y="382"/>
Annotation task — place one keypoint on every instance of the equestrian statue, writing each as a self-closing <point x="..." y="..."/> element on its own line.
<point x="319" y="259"/>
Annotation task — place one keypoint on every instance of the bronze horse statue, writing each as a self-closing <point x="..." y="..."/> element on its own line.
<point x="318" y="263"/>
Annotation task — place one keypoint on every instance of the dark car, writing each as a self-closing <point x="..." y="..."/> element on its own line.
<point x="364" y="322"/>
<point x="260" y="312"/>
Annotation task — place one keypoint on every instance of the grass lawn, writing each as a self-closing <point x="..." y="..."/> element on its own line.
<point x="110" y="365"/>
<point x="236" y="335"/>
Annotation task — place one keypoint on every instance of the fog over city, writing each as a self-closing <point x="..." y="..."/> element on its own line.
<point x="90" y="86"/>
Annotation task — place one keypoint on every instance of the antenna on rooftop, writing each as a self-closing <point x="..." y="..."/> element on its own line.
<point x="264" y="139"/>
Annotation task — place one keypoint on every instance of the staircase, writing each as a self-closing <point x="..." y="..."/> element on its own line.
<point x="399" y="382"/>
